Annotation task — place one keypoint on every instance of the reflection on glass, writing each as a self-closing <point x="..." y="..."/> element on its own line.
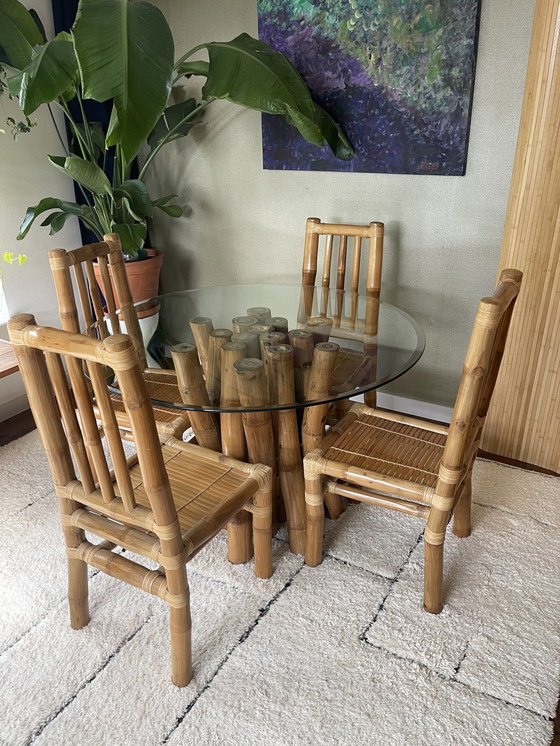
<point x="376" y="342"/>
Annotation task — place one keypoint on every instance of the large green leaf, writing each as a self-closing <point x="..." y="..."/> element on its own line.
<point x="88" y="174"/>
<point x="125" y="52"/>
<point x="132" y="236"/>
<point x="46" y="204"/>
<point x="57" y="221"/>
<point x="174" y="211"/>
<point x="171" y="119"/>
<point x="250" y="73"/>
<point x="18" y="33"/>
<point x="136" y="194"/>
<point x="334" y="135"/>
<point x="50" y="74"/>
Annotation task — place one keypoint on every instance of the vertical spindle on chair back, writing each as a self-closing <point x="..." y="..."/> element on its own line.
<point x="99" y="302"/>
<point x="344" y="249"/>
<point x="344" y="244"/>
<point x="44" y="356"/>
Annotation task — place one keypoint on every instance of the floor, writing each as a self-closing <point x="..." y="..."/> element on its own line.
<point x="21" y="424"/>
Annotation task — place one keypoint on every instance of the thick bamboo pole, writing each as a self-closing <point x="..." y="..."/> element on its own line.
<point x="251" y="342"/>
<point x="318" y="387"/>
<point x="193" y="391"/>
<point x="118" y="274"/>
<point x="261" y="313"/>
<point x="240" y="324"/>
<point x="251" y="382"/>
<point x="216" y="340"/>
<point x="524" y="418"/>
<point x="280" y="323"/>
<point x="233" y="439"/>
<point x="320" y="327"/>
<point x="302" y="342"/>
<point x="240" y="537"/>
<point x="259" y="435"/>
<point x="201" y="326"/>
<point x="266" y="341"/>
<point x="315" y="417"/>
<point x="290" y="466"/>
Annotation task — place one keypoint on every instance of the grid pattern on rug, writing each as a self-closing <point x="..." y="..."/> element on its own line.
<point x="339" y="654"/>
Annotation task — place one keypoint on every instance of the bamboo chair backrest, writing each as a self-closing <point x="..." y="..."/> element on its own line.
<point x="342" y="255"/>
<point x="343" y="248"/>
<point x="44" y="355"/>
<point x="113" y="290"/>
<point x="480" y="372"/>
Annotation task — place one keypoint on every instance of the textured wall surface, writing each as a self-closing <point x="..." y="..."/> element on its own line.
<point x="443" y="234"/>
<point x="26" y="177"/>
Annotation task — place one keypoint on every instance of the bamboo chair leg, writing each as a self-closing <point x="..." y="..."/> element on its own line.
<point x="181" y="645"/>
<point x="315" y="416"/>
<point x="315" y="517"/>
<point x="462" y="514"/>
<point x="78" y="593"/>
<point x="240" y="537"/>
<point x="433" y="577"/>
<point x="262" y="531"/>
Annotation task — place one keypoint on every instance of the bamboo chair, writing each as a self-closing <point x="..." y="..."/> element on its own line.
<point x="165" y="503"/>
<point x="162" y="384"/>
<point x="410" y="465"/>
<point x="341" y="251"/>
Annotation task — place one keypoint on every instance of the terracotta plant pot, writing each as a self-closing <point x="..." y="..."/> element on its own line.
<point x="143" y="278"/>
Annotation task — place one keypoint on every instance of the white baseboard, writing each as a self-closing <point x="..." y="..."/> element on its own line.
<point x="412" y="407"/>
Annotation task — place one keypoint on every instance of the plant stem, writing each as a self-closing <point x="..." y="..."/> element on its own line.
<point x="87" y="131"/>
<point x="58" y="133"/>
<point x="189" y="53"/>
<point x="67" y="114"/>
<point x="73" y="126"/>
<point x="170" y="134"/>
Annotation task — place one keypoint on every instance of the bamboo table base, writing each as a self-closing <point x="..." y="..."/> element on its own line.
<point x="217" y="370"/>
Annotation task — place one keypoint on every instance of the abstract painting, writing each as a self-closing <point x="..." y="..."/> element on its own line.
<point x="396" y="74"/>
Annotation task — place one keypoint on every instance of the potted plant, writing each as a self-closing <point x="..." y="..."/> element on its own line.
<point x="122" y="53"/>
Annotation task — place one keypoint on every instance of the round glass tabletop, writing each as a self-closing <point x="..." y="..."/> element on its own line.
<point x="367" y="342"/>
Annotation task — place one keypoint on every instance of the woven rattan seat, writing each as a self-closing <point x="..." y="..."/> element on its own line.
<point x="164" y="503"/>
<point x="99" y="307"/>
<point x="163" y="386"/>
<point x="409" y="465"/>
<point x="201" y="488"/>
<point x="391" y="448"/>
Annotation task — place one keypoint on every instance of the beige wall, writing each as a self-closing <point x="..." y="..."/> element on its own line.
<point x="243" y="223"/>
<point x="25" y="178"/>
<point x="443" y="233"/>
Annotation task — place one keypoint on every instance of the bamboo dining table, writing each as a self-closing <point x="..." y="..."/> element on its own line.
<point x="260" y="368"/>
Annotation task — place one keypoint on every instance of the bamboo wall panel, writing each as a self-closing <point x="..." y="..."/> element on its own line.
<point x="524" y="419"/>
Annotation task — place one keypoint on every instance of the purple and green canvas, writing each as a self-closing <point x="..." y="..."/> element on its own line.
<point x="396" y="74"/>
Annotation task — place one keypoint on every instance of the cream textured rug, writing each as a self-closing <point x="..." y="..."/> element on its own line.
<point x="340" y="654"/>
